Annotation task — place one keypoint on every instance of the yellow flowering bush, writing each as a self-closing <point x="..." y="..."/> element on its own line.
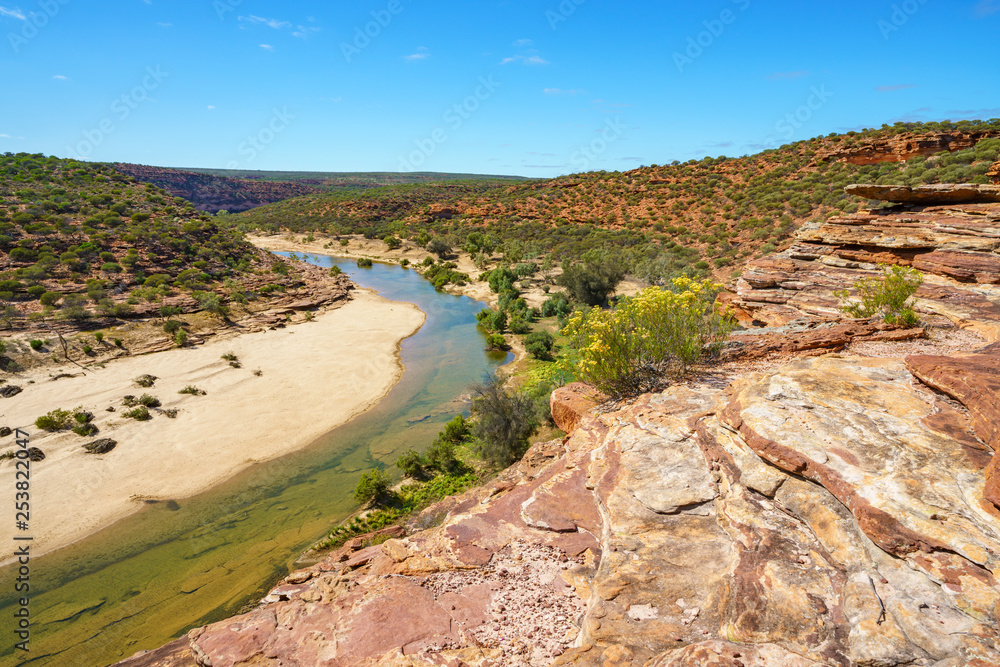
<point x="647" y="339"/>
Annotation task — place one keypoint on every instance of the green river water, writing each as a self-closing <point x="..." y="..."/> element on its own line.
<point x="174" y="566"/>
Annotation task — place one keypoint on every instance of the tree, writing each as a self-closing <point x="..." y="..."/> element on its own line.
<point x="49" y="298"/>
<point x="504" y="420"/>
<point x="592" y="282"/>
<point x="439" y="248"/>
<point x="73" y="307"/>
<point x="372" y="487"/>
<point x="539" y="345"/>
<point x="412" y="463"/>
<point x="392" y="242"/>
<point x="210" y="302"/>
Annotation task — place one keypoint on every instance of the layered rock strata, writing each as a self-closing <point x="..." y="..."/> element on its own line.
<point x="838" y="510"/>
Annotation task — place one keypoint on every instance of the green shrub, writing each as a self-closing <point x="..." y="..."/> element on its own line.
<point x="648" y="338"/>
<point x="180" y="338"/>
<point x="413" y="464"/>
<point x="888" y="295"/>
<point x="36" y="345"/>
<point x="140" y="414"/>
<point x="171" y="327"/>
<point x="335" y="270"/>
<point x="519" y="324"/>
<point x="442" y="456"/>
<point x="364" y="263"/>
<point x="496" y="342"/>
<point x="504" y="420"/>
<point x="456" y="430"/>
<point x="149" y="401"/>
<point x="145" y="381"/>
<point x="56" y="420"/>
<point x="557" y="306"/>
<point x="592" y="282"/>
<point x="373" y="487"/>
<point x="192" y="390"/>
<point x="539" y="345"/>
<point x="85" y="430"/>
<point x="49" y="298"/>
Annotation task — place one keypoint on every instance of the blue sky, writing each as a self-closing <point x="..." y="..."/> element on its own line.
<point x="534" y="88"/>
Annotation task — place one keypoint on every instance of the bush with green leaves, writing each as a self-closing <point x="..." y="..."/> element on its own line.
<point x="496" y="342"/>
<point x="592" y="282"/>
<point x="648" y="339"/>
<point x="373" y="487"/>
<point x="85" y="430"/>
<point x="55" y="420"/>
<point x="149" y="401"/>
<point x="192" y="390"/>
<point x="539" y="345"/>
<point x="504" y="420"/>
<point x="140" y="414"/>
<point x="888" y="295"/>
<point x="364" y="263"/>
<point x="557" y="305"/>
<point x="36" y="345"/>
<point x="413" y="464"/>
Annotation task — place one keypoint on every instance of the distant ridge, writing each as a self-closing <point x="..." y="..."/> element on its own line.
<point x="237" y="190"/>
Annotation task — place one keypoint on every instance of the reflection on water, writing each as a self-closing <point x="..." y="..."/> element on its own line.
<point x="175" y="566"/>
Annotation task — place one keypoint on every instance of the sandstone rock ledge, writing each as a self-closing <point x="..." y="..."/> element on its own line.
<point x="830" y="513"/>
<point x="838" y="510"/>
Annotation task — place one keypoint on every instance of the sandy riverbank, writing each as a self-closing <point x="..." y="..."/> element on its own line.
<point x="314" y="377"/>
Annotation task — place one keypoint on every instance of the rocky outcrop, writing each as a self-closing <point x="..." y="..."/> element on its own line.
<point x="101" y="446"/>
<point x="9" y="390"/>
<point x="967" y="193"/>
<point x="974" y="380"/>
<point x="829" y="513"/>
<point x="956" y="246"/>
<point x="576" y="400"/>
<point x="836" y="510"/>
<point x="902" y="147"/>
<point x="994" y="172"/>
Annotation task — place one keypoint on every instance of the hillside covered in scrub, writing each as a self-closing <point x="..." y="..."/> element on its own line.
<point x="694" y="218"/>
<point x="83" y="242"/>
<point x="236" y="190"/>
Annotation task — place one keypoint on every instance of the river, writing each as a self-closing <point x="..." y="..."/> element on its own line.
<point x="178" y="565"/>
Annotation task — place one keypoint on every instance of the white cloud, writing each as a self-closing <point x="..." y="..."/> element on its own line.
<point x="562" y="91"/>
<point x="211" y="107"/>
<point x="421" y="54"/>
<point x="13" y="13"/>
<point x="267" y="46"/>
<point x="271" y="23"/>
<point x="303" y="32"/>
<point x="529" y="57"/>
<point x="521" y="43"/>
<point x="165" y="25"/>
<point x="890" y="89"/>
<point x="60" y="77"/>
